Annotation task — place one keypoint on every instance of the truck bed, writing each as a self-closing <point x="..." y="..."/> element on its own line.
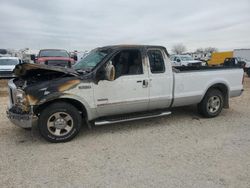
<point x="191" y="83"/>
<point x="202" y="68"/>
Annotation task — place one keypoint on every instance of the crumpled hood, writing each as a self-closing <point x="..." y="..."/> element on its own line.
<point x="26" y="69"/>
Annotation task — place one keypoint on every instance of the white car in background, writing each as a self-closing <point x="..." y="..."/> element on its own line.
<point x="7" y="65"/>
<point x="247" y="67"/>
<point x="185" y="60"/>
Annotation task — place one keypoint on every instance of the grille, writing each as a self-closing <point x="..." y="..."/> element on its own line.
<point x="5" y="72"/>
<point x="60" y="63"/>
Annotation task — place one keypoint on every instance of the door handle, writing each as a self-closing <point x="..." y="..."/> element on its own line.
<point x="145" y="83"/>
<point x="139" y="81"/>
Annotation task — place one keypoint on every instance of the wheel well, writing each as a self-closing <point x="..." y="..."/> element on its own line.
<point x="224" y="90"/>
<point x="73" y="102"/>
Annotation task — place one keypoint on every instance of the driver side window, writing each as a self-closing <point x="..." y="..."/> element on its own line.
<point x="127" y="62"/>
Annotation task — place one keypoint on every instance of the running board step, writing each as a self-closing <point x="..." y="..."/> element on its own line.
<point x="130" y="118"/>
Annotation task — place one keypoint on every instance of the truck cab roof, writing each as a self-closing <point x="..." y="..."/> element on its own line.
<point x="131" y="46"/>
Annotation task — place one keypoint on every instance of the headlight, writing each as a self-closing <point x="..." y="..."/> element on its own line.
<point x="20" y="97"/>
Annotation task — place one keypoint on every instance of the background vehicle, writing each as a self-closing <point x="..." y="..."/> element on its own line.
<point x="242" y="53"/>
<point x="245" y="55"/>
<point x="54" y="57"/>
<point x="247" y="67"/>
<point x="235" y="61"/>
<point x="7" y="65"/>
<point x="218" y="58"/>
<point x="185" y="60"/>
<point x="238" y="62"/>
<point x="115" y="84"/>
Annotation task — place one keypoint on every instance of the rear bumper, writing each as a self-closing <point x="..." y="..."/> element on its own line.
<point x="21" y="119"/>
<point x="236" y="93"/>
<point x="246" y="69"/>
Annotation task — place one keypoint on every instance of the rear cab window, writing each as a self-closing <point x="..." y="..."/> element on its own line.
<point x="156" y="61"/>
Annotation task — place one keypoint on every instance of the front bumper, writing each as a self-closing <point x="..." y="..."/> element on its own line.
<point x="21" y="119"/>
<point x="15" y="113"/>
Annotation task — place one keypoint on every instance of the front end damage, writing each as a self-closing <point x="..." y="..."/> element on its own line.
<point x="35" y="85"/>
<point x="19" y="112"/>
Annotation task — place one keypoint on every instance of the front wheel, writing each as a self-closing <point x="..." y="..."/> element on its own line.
<point x="59" y="122"/>
<point x="212" y="104"/>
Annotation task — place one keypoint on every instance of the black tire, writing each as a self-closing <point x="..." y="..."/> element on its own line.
<point x="212" y="104"/>
<point x="53" y="115"/>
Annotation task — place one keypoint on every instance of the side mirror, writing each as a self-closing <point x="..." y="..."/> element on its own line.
<point x="106" y="72"/>
<point x="33" y="57"/>
<point x="178" y="60"/>
<point x="110" y="72"/>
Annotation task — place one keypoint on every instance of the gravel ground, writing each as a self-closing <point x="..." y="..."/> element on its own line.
<point x="181" y="150"/>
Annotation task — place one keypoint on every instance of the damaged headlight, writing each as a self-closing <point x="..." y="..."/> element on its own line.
<point x="20" y="97"/>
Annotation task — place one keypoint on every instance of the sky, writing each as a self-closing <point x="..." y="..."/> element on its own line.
<point x="86" y="24"/>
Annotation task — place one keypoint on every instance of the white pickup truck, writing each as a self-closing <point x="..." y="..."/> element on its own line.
<point x="115" y="84"/>
<point x="185" y="60"/>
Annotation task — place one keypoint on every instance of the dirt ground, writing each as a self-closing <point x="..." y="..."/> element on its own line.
<point x="181" y="150"/>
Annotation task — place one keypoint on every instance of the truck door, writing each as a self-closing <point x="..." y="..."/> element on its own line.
<point x="129" y="92"/>
<point x="160" y="79"/>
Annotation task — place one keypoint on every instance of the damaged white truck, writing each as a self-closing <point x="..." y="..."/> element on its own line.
<point x="115" y="84"/>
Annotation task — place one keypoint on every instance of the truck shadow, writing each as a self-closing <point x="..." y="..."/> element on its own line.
<point x="179" y="115"/>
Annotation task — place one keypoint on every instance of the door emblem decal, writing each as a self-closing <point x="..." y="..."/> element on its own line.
<point x="84" y="87"/>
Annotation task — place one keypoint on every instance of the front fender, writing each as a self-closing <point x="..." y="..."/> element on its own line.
<point x="91" y="111"/>
<point x="56" y="96"/>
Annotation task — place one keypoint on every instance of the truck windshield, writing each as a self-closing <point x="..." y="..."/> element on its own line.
<point x="91" y="60"/>
<point x="8" y="62"/>
<point x="53" y="53"/>
<point x="186" y="58"/>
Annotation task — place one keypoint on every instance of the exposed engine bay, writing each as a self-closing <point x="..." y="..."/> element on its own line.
<point x="28" y="74"/>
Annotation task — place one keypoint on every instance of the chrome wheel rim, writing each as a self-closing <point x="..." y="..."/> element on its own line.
<point x="60" y="124"/>
<point x="213" y="104"/>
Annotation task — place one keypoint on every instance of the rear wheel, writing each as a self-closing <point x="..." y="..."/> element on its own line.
<point x="59" y="122"/>
<point x="212" y="104"/>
